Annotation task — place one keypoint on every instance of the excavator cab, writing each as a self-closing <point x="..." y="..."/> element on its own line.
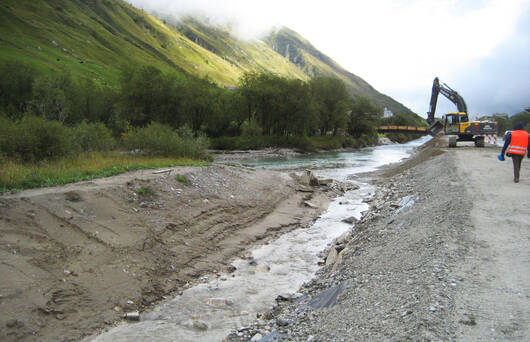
<point x="455" y="123"/>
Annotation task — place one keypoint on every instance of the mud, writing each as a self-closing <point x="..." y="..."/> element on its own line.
<point x="74" y="259"/>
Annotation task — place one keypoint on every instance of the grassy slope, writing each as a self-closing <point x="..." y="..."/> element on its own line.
<point x="300" y="52"/>
<point x="94" y="38"/>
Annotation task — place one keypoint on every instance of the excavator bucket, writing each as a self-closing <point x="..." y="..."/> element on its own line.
<point x="435" y="128"/>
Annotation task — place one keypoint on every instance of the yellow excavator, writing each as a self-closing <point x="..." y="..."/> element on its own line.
<point x="457" y="125"/>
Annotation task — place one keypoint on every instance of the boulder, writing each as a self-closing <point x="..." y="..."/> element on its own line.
<point x="262" y="268"/>
<point x="349" y="220"/>
<point x="219" y="302"/>
<point x="308" y="178"/>
<point x="332" y="256"/>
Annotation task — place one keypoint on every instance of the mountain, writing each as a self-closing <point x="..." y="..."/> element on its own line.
<point x="314" y="63"/>
<point x="95" y="38"/>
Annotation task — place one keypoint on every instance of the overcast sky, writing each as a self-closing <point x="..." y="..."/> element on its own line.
<point x="481" y="48"/>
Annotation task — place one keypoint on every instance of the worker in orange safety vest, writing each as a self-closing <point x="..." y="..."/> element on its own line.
<point x="516" y="146"/>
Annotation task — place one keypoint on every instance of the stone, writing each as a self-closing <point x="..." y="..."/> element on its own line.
<point x="262" y="268"/>
<point x="332" y="256"/>
<point x="200" y="325"/>
<point x="13" y="323"/>
<point x="256" y="337"/>
<point x="72" y="196"/>
<point x="132" y="316"/>
<point x="338" y="260"/>
<point x="310" y="205"/>
<point x="326" y="182"/>
<point x="349" y="220"/>
<point x="304" y="188"/>
<point x="282" y="322"/>
<point x="218" y="302"/>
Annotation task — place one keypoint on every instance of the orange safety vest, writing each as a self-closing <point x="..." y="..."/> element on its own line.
<point x="518" y="143"/>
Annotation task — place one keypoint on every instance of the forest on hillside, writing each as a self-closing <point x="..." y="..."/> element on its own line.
<point x="53" y="115"/>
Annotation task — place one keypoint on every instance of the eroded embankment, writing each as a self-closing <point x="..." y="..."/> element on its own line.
<point x="75" y="258"/>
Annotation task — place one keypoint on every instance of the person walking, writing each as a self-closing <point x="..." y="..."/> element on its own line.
<point x="516" y="146"/>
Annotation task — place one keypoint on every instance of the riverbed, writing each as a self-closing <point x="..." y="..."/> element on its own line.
<point x="221" y="303"/>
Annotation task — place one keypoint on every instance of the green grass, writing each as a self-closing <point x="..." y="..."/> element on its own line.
<point x="17" y="176"/>
<point x="146" y="191"/>
<point x="182" y="179"/>
<point x="94" y="39"/>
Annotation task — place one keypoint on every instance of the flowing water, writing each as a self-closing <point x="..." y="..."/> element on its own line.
<point x="210" y="310"/>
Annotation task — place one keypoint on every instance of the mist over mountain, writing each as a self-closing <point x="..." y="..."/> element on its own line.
<point x="93" y="39"/>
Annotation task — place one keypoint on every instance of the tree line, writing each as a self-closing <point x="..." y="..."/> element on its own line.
<point x="263" y="105"/>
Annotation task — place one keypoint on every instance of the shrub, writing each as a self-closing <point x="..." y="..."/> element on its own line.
<point x="182" y="179"/>
<point x="145" y="191"/>
<point x="250" y="129"/>
<point x="93" y="137"/>
<point x="33" y="139"/>
<point x="162" y="140"/>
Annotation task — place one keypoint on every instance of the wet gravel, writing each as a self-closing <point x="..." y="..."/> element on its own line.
<point x="393" y="276"/>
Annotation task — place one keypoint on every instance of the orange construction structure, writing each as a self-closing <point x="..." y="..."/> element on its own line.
<point x="402" y="129"/>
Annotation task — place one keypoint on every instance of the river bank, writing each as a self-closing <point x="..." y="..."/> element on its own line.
<point x="434" y="259"/>
<point x="76" y="258"/>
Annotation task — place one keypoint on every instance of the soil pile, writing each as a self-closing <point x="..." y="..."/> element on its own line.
<point x="76" y="258"/>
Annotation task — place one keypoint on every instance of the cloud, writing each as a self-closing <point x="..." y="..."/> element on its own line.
<point x="500" y="82"/>
<point x="398" y="46"/>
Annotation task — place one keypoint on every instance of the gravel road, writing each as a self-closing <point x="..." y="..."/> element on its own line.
<point x="443" y="255"/>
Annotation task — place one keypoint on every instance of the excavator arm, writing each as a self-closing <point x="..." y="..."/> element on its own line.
<point x="449" y="93"/>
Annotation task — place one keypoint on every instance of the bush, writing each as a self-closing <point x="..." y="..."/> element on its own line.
<point x="34" y="139"/>
<point x="162" y="140"/>
<point x="92" y="137"/>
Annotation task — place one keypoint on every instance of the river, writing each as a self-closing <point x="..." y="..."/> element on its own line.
<point x="210" y="310"/>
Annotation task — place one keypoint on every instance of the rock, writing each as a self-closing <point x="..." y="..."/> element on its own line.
<point x="332" y="256"/>
<point x="305" y="178"/>
<point x="54" y="43"/>
<point x="308" y="178"/>
<point x="13" y="323"/>
<point x="262" y="268"/>
<point x="72" y="196"/>
<point x="304" y="188"/>
<point x="468" y="320"/>
<point x="384" y="141"/>
<point x="256" y="337"/>
<point x="200" y="325"/>
<point x="326" y="182"/>
<point x="219" y="302"/>
<point x="338" y="260"/>
<point x="310" y="205"/>
<point x="342" y="239"/>
<point x="282" y="322"/>
<point x="287" y="297"/>
<point x="349" y="220"/>
<point x="132" y="316"/>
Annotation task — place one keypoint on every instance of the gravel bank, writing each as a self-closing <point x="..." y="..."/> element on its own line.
<point x="394" y="276"/>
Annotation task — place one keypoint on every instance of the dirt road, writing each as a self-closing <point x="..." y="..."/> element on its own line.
<point x="497" y="293"/>
<point x="444" y="254"/>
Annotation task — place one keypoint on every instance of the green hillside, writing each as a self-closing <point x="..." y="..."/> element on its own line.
<point x="314" y="63"/>
<point x="93" y="39"/>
